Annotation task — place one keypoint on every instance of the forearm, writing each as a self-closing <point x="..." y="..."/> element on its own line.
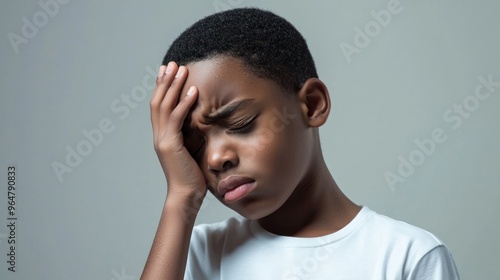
<point x="168" y="256"/>
<point x="185" y="180"/>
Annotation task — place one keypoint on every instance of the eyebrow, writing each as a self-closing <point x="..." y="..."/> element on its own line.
<point x="227" y="110"/>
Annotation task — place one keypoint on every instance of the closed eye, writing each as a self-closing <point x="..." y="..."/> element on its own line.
<point x="245" y="127"/>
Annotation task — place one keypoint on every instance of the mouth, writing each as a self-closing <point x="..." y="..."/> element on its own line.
<point x="234" y="188"/>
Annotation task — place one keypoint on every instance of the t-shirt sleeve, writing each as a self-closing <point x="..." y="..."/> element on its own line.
<point x="437" y="264"/>
<point x="205" y="249"/>
<point x="203" y="257"/>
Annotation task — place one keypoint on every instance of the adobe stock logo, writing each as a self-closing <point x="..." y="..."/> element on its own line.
<point x="309" y="265"/>
<point x="122" y="275"/>
<point x="454" y="116"/>
<point x="121" y="107"/>
<point x="363" y="37"/>
<point x="225" y="5"/>
<point x="39" y="19"/>
<point x="275" y="125"/>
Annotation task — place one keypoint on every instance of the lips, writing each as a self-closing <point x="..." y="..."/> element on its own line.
<point x="233" y="188"/>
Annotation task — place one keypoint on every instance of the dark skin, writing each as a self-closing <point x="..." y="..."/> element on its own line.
<point x="267" y="135"/>
<point x="307" y="204"/>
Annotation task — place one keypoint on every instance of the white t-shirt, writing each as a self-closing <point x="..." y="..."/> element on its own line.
<point x="370" y="247"/>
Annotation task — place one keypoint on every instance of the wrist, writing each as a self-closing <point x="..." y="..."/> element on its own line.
<point x="185" y="205"/>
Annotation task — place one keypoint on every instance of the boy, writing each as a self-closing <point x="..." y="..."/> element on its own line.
<point x="243" y="124"/>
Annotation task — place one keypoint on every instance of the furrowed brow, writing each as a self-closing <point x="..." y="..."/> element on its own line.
<point x="227" y="110"/>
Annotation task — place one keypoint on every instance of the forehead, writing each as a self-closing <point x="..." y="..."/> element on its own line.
<point x="223" y="79"/>
<point x="217" y="79"/>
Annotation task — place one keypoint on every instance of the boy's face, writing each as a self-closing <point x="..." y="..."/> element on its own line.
<point x="260" y="141"/>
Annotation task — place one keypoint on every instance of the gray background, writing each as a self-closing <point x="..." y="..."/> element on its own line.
<point x="98" y="222"/>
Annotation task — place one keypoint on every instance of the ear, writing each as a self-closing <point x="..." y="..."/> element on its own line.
<point x="315" y="102"/>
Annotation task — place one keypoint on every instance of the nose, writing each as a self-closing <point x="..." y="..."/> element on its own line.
<point x="221" y="156"/>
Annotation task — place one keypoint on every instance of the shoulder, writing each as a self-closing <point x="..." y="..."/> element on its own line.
<point x="387" y="228"/>
<point x="231" y="224"/>
<point x="423" y="253"/>
<point x="214" y="234"/>
<point x="207" y="246"/>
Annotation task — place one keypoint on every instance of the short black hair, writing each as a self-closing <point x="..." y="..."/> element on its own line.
<point x="268" y="45"/>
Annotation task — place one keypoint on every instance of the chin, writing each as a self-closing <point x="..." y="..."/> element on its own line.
<point x="252" y="211"/>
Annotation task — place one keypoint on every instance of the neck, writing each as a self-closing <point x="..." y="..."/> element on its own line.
<point x="317" y="207"/>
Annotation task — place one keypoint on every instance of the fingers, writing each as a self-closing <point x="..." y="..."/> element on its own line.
<point x="180" y="112"/>
<point x="168" y="109"/>
<point x="165" y="95"/>
<point x="172" y="95"/>
<point x="170" y="99"/>
<point x="165" y="76"/>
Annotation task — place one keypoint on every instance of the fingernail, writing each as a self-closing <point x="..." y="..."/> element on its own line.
<point x="170" y="66"/>
<point x="180" y="72"/>
<point x="161" y="71"/>
<point x="190" y="91"/>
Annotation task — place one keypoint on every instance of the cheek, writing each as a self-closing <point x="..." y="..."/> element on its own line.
<point x="264" y="139"/>
<point x="270" y="149"/>
<point x="270" y="135"/>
